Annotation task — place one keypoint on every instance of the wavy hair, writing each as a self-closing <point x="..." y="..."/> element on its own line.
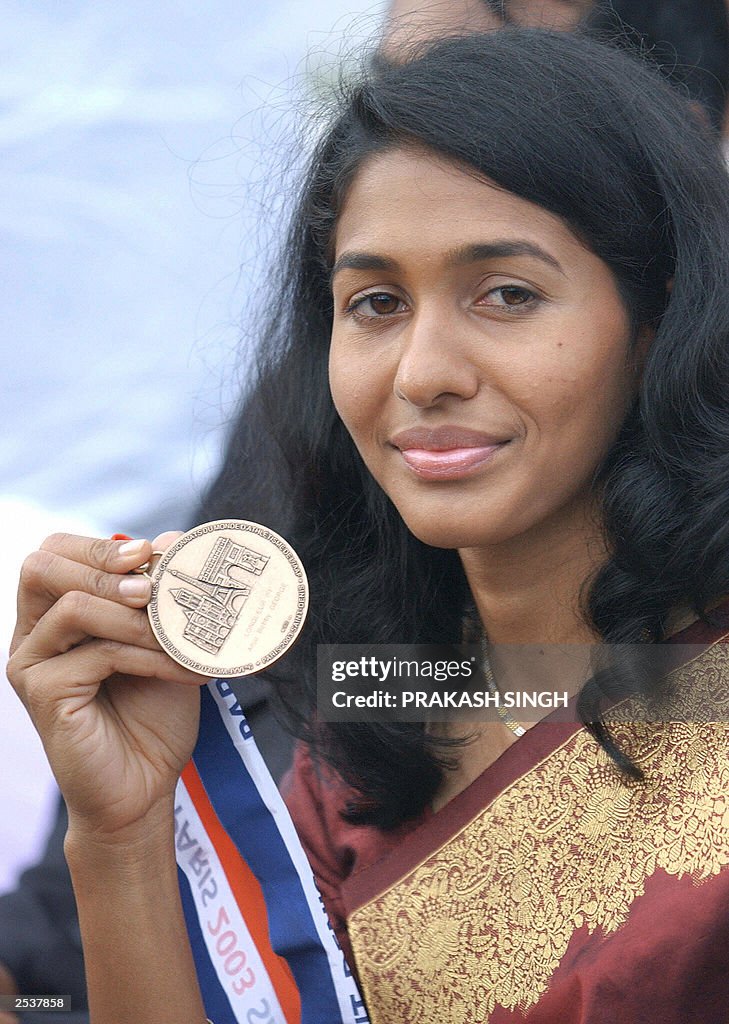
<point x="597" y="138"/>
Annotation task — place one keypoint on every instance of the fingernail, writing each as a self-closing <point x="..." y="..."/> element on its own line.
<point x="134" y="586"/>
<point x="131" y="547"/>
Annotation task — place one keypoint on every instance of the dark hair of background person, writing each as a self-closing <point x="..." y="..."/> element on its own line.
<point x="687" y="39"/>
<point x="597" y="138"/>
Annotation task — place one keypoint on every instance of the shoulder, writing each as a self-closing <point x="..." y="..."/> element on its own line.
<point x="316" y="798"/>
<point x="685" y="627"/>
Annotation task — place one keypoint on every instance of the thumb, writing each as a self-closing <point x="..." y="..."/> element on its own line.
<point x="165" y="540"/>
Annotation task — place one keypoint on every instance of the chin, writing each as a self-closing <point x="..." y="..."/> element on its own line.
<point x="442" y="533"/>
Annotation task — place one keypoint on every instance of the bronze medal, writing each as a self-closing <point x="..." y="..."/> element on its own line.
<point x="228" y="598"/>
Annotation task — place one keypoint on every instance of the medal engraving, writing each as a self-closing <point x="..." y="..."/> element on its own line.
<point x="228" y="598"/>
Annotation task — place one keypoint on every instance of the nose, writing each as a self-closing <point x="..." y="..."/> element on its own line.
<point x="434" y="362"/>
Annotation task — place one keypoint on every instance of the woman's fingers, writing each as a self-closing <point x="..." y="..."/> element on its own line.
<point x="101" y="567"/>
<point x="49" y="576"/>
<point x="77" y="616"/>
<point x="109" y="555"/>
<point x="106" y="700"/>
<point x="165" y="540"/>
<point x="72" y="678"/>
<point x="115" y="722"/>
<point x="111" y="637"/>
<point x="65" y="563"/>
<point x="86" y="666"/>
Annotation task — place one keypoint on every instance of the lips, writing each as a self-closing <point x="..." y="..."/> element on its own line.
<point x="448" y="452"/>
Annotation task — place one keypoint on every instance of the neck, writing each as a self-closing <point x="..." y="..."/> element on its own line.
<point x="528" y="590"/>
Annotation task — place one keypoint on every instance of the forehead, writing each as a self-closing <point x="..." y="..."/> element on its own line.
<point x="417" y="201"/>
<point x="554" y="14"/>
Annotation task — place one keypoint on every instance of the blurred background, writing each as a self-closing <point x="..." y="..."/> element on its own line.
<point x="142" y="147"/>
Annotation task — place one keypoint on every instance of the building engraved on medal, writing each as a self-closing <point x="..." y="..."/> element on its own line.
<point x="213" y="607"/>
<point x="228" y="598"/>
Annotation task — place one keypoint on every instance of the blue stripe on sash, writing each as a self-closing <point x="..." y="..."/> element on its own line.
<point x="217" y="1005"/>
<point x="249" y="823"/>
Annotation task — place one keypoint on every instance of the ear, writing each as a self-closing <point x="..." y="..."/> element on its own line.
<point x="645" y="336"/>
<point x="641" y="347"/>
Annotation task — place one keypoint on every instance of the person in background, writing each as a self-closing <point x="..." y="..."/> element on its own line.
<point x="562" y="15"/>
<point x="40" y="942"/>
<point x="686" y="41"/>
<point x="410" y="22"/>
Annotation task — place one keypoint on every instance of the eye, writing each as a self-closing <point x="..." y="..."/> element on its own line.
<point x="375" y="304"/>
<point x="509" y="296"/>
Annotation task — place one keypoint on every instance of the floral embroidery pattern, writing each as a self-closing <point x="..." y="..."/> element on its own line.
<point x="569" y="845"/>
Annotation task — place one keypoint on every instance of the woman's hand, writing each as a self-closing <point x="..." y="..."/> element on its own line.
<point x="115" y="721"/>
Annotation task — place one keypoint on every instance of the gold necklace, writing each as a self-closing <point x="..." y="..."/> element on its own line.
<point x="504" y="715"/>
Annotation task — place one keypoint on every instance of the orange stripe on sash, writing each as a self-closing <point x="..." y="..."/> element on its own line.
<point x="248" y="895"/>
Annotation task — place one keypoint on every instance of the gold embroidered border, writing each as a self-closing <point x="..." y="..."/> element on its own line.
<point x="486" y="919"/>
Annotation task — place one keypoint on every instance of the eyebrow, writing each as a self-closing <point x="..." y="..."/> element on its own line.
<point x="474" y="253"/>
<point x="362" y="261"/>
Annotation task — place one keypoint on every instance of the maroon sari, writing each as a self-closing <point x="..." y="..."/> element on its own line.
<point x="551" y="889"/>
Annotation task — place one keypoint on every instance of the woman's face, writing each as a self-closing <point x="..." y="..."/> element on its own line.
<point x="480" y="355"/>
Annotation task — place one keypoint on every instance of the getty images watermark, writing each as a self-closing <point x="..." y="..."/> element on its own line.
<point x="420" y="682"/>
<point x="468" y="682"/>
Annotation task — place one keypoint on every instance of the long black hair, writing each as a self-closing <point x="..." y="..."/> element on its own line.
<point x="593" y="136"/>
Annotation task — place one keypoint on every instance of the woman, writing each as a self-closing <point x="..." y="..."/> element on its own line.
<point x="511" y="259"/>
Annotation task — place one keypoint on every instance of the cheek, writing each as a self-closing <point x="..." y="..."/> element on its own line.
<point x="338" y="382"/>
<point x="590" y="412"/>
<point x="584" y="389"/>
<point x="351" y="389"/>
